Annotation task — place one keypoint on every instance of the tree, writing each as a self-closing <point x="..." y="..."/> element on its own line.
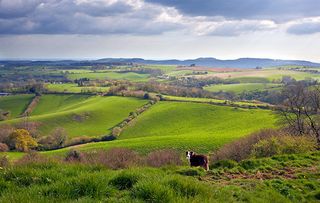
<point x="301" y="109"/>
<point x="55" y="139"/>
<point x="22" y="140"/>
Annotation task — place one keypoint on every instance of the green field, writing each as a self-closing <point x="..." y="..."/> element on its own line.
<point x="239" y="88"/>
<point x="74" y="88"/>
<point x="16" y="104"/>
<point x="82" y="115"/>
<point x="110" y="75"/>
<point x="184" y="126"/>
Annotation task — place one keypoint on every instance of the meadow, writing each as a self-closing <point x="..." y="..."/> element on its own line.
<point x="241" y="87"/>
<point x="16" y="104"/>
<point x="74" y="88"/>
<point x="110" y="75"/>
<point x="81" y="115"/>
<point x="185" y="126"/>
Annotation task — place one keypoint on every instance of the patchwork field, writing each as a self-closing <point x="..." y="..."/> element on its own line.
<point x="110" y="75"/>
<point x="270" y="74"/>
<point x="82" y="115"/>
<point x="183" y="126"/>
<point x="74" y="88"/>
<point x="238" y="88"/>
<point x="16" y="104"/>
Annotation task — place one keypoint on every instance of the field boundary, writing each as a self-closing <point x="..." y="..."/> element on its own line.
<point x="31" y="106"/>
<point x="226" y="103"/>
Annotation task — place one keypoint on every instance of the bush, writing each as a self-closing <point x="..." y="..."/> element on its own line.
<point x="5" y="131"/>
<point x="118" y="158"/>
<point x="283" y="145"/>
<point x="3" y="147"/>
<point x="124" y="181"/>
<point x="4" y="161"/>
<point x="33" y="158"/>
<point x="241" y="148"/>
<point x="74" y="155"/>
<point x="163" y="157"/>
<point x="78" y="140"/>
<point x="21" y="140"/>
<point x="54" y="140"/>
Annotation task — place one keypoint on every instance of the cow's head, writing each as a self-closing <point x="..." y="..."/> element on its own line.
<point x="189" y="154"/>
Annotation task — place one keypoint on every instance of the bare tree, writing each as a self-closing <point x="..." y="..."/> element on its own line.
<point x="301" y="109"/>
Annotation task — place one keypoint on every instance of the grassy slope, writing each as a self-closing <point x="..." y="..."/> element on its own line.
<point x="238" y="88"/>
<point x="74" y="88"/>
<point x="203" y="124"/>
<point x="110" y="75"/>
<point x="100" y="113"/>
<point x="264" y="180"/>
<point x="183" y="126"/>
<point x="16" y="104"/>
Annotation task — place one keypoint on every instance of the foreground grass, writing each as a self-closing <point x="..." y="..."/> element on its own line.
<point x="16" y="104"/>
<point x="256" y="180"/>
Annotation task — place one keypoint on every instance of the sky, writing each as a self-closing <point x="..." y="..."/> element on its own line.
<point x="160" y="29"/>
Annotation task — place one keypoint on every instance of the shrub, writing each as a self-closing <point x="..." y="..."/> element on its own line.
<point x="74" y="155"/>
<point x="21" y="140"/>
<point x="124" y="181"/>
<point x="283" y="145"/>
<point x="33" y="158"/>
<point x="5" y="131"/>
<point x="163" y="157"/>
<point x="4" y="161"/>
<point x="241" y="148"/>
<point x="54" y="140"/>
<point x="117" y="158"/>
<point x="78" y="140"/>
<point x="3" y="147"/>
<point x="116" y="131"/>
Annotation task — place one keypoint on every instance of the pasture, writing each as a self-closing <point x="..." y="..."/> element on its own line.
<point x="185" y="125"/>
<point x="74" y="88"/>
<point x="81" y="115"/>
<point x="16" y="104"/>
<point x="110" y="75"/>
<point x="241" y="87"/>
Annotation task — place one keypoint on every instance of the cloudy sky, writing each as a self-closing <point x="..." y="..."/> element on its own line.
<point x="160" y="29"/>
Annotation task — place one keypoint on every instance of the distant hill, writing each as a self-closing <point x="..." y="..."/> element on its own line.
<point x="208" y="62"/>
<point x="213" y="62"/>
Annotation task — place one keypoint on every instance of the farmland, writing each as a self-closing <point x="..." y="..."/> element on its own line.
<point x="81" y="115"/>
<point x="74" y="88"/>
<point x="241" y="87"/>
<point x="15" y="104"/>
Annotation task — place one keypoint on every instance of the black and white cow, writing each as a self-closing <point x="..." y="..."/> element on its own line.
<point x="198" y="160"/>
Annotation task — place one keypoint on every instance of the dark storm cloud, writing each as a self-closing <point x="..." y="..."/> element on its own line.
<point x="277" y="10"/>
<point x="81" y="17"/>
<point x="138" y="17"/>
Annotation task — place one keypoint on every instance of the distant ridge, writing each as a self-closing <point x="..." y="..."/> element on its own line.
<point x="213" y="62"/>
<point x="208" y="62"/>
